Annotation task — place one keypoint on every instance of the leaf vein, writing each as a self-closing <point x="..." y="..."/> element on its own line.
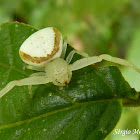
<point x="50" y="113"/>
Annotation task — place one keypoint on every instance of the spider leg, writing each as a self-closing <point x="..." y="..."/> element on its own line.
<point x="95" y="59"/>
<point x="84" y="62"/>
<point x="119" y="61"/>
<point x="71" y="54"/>
<point x="30" y="86"/>
<point x="34" y="80"/>
<point x="35" y="68"/>
<point x="64" y="48"/>
<point x="38" y="74"/>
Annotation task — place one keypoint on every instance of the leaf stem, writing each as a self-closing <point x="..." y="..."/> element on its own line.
<point x="132" y="103"/>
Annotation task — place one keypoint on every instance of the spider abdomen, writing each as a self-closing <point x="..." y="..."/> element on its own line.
<point x="41" y="47"/>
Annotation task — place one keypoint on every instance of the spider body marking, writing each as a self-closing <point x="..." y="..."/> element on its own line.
<point x="44" y="51"/>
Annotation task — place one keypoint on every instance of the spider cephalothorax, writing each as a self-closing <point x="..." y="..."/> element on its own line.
<point x="44" y="51"/>
<point x="59" y="71"/>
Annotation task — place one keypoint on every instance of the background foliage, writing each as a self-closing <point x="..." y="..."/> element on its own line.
<point x="99" y="26"/>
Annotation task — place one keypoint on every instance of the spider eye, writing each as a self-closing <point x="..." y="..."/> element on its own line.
<point x="41" y="47"/>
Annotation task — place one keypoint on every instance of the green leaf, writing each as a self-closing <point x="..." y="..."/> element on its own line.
<point x="87" y="108"/>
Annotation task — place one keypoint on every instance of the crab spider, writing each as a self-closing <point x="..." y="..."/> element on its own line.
<point x="44" y="51"/>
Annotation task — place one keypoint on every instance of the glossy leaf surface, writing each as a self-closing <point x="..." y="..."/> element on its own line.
<point x="87" y="108"/>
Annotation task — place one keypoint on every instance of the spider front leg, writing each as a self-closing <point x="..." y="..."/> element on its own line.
<point x="119" y="61"/>
<point x="84" y="62"/>
<point x="95" y="59"/>
<point x="34" y="80"/>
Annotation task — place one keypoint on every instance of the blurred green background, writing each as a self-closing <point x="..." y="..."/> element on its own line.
<point x="95" y="26"/>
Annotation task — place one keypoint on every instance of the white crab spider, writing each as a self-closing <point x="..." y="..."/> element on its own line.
<point x="44" y="51"/>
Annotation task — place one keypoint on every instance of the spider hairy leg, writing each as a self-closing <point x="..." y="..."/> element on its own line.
<point x="34" y="80"/>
